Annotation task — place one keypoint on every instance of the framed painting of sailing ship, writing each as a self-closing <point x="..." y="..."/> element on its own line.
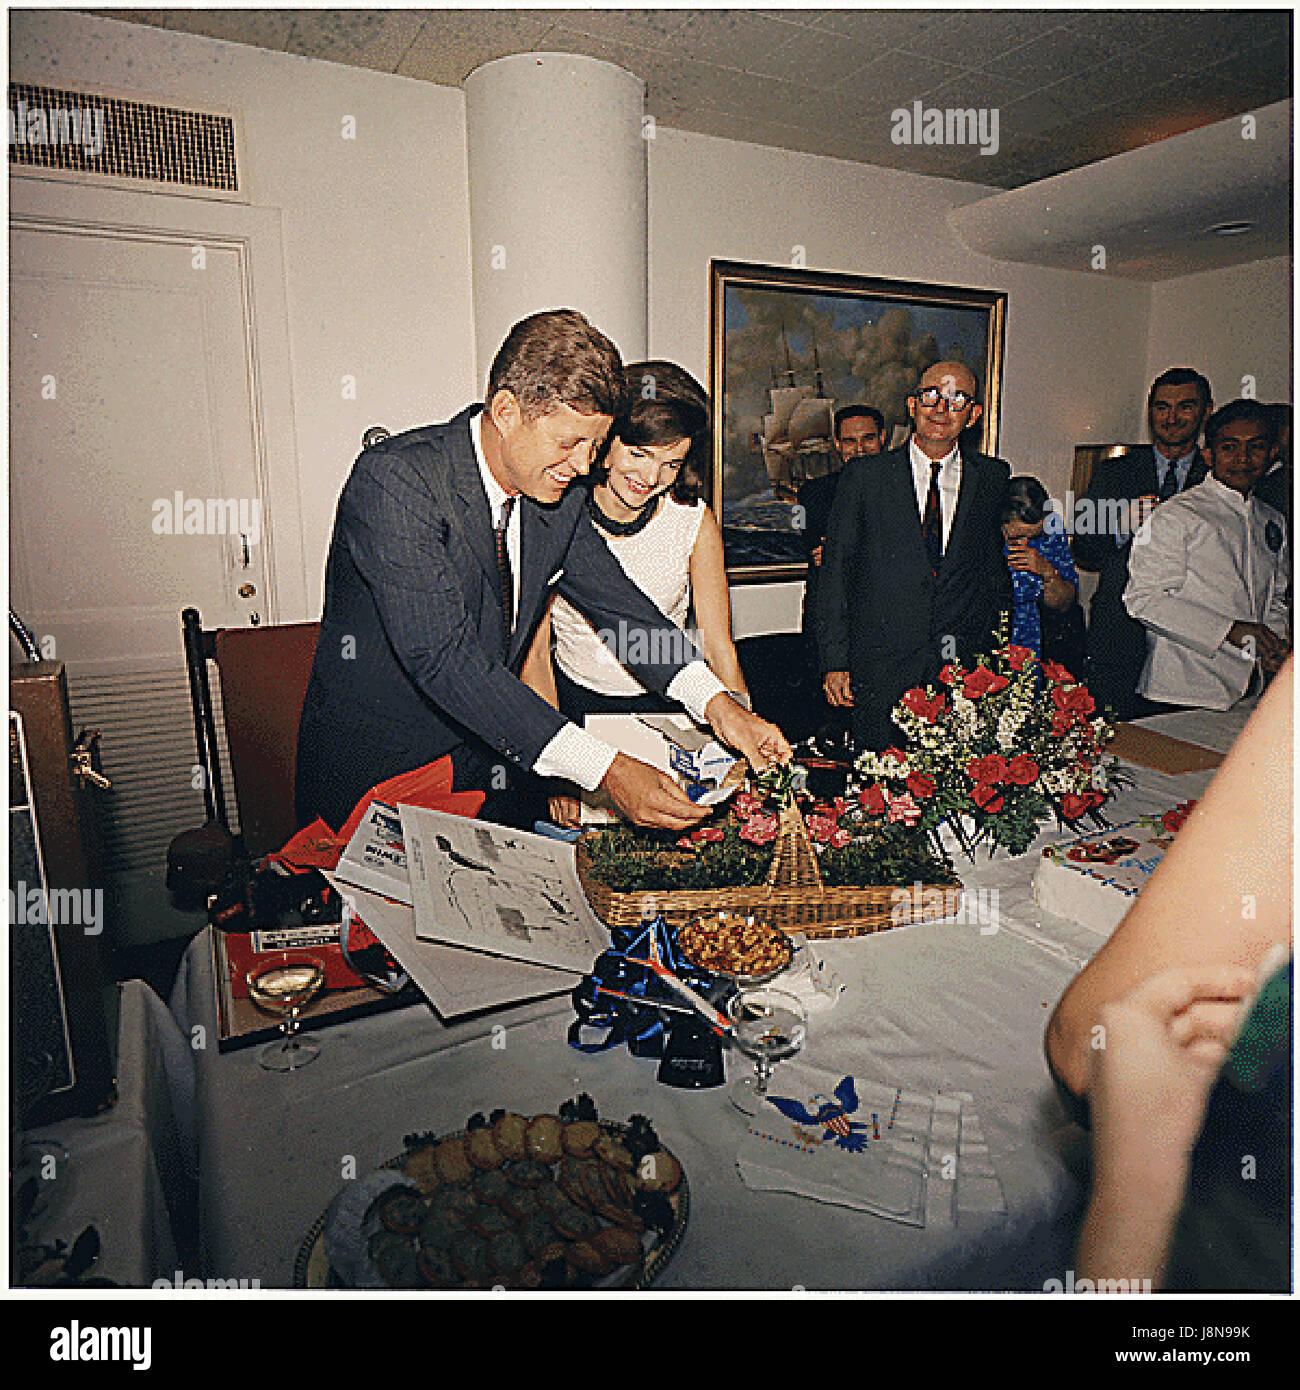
<point x="788" y="348"/>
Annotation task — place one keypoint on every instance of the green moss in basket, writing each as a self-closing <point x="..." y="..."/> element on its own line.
<point x="631" y="859"/>
<point x="894" y="857"/>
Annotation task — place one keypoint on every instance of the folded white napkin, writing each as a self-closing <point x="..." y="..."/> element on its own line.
<point x="849" y="1140"/>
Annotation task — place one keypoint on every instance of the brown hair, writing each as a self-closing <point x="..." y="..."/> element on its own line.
<point x="559" y="358"/>
<point x="665" y="404"/>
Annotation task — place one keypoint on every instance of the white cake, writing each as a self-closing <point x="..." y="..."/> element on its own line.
<point x="1094" y="879"/>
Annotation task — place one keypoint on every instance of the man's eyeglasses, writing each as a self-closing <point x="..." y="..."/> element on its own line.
<point x="930" y="396"/>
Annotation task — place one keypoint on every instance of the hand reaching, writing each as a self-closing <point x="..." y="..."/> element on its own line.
<point x="647" y="796"/>
<point x="758" y="740"/>
<point x="565" y="811"/>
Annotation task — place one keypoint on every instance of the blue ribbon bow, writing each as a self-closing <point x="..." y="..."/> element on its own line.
<point x="641" y="1027"/>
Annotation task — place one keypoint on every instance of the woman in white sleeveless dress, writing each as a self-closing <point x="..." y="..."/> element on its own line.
<point x="645" y="502"/>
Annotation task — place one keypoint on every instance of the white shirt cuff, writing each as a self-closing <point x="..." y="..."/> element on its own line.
<point x="576" y="756"/>
<point x="694" y="686"/>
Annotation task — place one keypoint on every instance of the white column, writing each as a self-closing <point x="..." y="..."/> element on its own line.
<point x="557" y="196"/>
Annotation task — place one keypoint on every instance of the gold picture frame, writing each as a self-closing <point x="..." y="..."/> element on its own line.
<point x="776" y="384"/>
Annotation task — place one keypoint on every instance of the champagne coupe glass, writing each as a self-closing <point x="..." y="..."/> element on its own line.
<point x="285" y="983"/>
<point x="766" y="1024"/>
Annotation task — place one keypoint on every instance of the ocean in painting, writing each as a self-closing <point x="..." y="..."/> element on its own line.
<point x="759" y="530"/>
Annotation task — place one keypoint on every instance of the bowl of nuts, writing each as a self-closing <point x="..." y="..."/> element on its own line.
<point x="736" y="946"/>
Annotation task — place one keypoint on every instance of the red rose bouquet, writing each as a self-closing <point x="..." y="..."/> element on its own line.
<point x="993" y="753"/>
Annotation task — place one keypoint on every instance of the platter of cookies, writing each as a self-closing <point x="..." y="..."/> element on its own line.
<point x="549" y="1202"/>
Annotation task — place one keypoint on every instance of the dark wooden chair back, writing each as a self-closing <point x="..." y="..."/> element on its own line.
<point x="264" y="673"/>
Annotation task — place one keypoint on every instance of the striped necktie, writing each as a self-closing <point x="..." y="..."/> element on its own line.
<point x="504" y="574"/>
<point x="1169" y="483"/>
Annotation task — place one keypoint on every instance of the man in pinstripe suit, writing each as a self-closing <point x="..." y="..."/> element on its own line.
<point x="448" y="542"/>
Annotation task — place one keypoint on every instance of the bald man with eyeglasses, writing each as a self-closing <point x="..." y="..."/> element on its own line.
<point x="913" y="574"/>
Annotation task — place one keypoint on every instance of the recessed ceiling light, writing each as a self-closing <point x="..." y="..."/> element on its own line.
<point x="1231" y="228"/>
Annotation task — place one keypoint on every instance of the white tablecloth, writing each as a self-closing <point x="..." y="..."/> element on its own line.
<point x="1216" y="729"/>
<point x="130" y="1171"/>
<point x="930" y="1007"/>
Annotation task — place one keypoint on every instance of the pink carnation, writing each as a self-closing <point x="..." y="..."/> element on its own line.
<point x="759" y="830"/>
<point x="821" y="828"/>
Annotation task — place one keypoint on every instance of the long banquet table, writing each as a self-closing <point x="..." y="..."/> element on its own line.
<point x="928" y="1007"/>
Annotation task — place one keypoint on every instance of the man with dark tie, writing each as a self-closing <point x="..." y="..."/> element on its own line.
<point x="1122" y="494"/>
<point x="448" y="543"/>
<point x="913" y="575"/>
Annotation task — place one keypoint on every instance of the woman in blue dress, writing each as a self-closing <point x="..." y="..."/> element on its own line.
<point x="1045" y="584"/>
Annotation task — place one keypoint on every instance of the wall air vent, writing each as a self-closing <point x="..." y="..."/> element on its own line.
<point x="88" y="133"/>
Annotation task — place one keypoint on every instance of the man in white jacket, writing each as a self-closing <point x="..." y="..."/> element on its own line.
<point x="1210" y="575"/>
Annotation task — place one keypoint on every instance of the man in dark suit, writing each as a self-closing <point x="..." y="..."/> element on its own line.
<point x="913" y="575"/>
<point x="859" y="433"/>
<point x="448" y="542"/>
<point x="1122" y="493"/>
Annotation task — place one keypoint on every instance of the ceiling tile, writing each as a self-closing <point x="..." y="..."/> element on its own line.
<point x="376" y="39"/>
<point x="1257" y="77"/>
<point x="976" y="38"/>
<point x="984" y="89"/>
<point x="1102" y="83"/>
<point x="1039" y="112"/>
<point x="730" y="38"/>
<point x="904" y="78"/>
<point x="846" y="105"/>
<point x="760" y="98"/>
<point x="1204" y="35"/>
<point x="452" y="43"/>
<point x="878" y="28"/>
<point x="818" y="59"/>
<point x="1052" y="56"/>
<point x="687" y="83"/>
<point x="260" y="28"/>
<point x="646" y="28"/>
<point x="1125" y="30"/>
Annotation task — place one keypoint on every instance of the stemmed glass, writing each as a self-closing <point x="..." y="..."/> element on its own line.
<point x="285" y="984"/>
<point x="767" y="1025"/>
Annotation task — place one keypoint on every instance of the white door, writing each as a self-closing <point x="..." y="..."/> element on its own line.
<point x="134" y="486"/>
<point x="152" y="468"/>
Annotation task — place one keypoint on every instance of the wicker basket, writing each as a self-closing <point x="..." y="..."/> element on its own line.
<point x="793" y="897"/>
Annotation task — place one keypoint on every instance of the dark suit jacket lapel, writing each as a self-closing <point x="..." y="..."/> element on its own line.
<point x="538" y="560"/>
<point x="972" y="470"/>
<point x="902" y="500"/>
<point x="1144" y="473"/>
<point x="475" y="518"/>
